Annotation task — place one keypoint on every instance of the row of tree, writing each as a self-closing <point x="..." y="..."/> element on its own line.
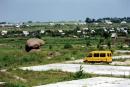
<point x="114" y="20"/>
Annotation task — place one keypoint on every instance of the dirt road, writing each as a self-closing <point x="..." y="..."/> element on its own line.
<point x="93" y="82"/>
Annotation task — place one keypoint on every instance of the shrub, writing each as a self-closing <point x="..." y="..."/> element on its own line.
<point x="67" y="46"/>
<point x="50" y="47"/>
<point x="79" y="74"/>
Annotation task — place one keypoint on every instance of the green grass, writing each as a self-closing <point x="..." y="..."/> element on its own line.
<point x="13" y="53"/>
<point x="32" y="78"/>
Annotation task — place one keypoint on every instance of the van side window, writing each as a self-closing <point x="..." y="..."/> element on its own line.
<point x="90" y="55"/>
<point x="102" y="54"/>
<point x="96" y="54"/>
<point x="108" y="54"/>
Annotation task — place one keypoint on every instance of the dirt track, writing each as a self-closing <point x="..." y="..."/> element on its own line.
<point x="93" y="82"/>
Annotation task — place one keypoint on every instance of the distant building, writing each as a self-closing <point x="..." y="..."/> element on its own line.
<point x="118" y="29"/>
<point x="52" y="24"/>
<point x="112" y="30"/>
<point x="42" y="31"/>
<point x="17" y="26"/>
<point x="63" y="33"/>
<point x="114" y="35"/>
<point x="125" y="46"/>
<point x="75" y="36"/>
<point x="82" y="23"/>
<point x="79" y="31"/>
<point x="26" y="33"/>
<point x="84" y="33"/>
<point x="6" y="25"/>
<point x="60" y="31"/>
<point x="85" y="28"/>
<point x="108" y="22"/>
<point x="4" y="32"/>
<point x="123" y="22"/>
<point x="92" y="31"/>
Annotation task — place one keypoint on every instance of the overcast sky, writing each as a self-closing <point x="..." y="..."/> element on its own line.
<point x="58" y="10"/>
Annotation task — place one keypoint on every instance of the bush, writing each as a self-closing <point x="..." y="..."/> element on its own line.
<point x="50" y="47"/>
<point x="67" y="46"/>
<point x="79" y="74"/>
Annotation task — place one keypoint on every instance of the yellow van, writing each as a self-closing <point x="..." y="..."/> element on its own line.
<point x="99" y="56"/>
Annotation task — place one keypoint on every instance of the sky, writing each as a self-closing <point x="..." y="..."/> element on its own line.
<point x="61" y="10"/>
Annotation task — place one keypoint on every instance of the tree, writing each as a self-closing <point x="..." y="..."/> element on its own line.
<point x="109" y="44"/>
<point x="88" y="20"/>
<point x="106" y="35"/>
<point x="29" y="21"/>
<point x="2" y="22"/>
<point x="67" y="46"/>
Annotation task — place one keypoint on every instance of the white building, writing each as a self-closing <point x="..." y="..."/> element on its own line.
<point x="114" y="35"/>
<point x="112" y="30"/>
<point x="108" y="22"/>
<point x="4" y="32"/>
<point x="63" y="33"/>
<point x="79" y="31"/>
<point x="60" y="31"/>
<point x="118" y="29"/>
<point x="52" y="24"/>
<point x="17" y="26"/>
<point x="92" y="31"/>
<point x="85" y="28"/>
<point x="42" y="31"/>
<point x="75" y="36"/>
<point x="26" y="33"/>
<point x="123" y="22"/>
<point x="82" y="23"/>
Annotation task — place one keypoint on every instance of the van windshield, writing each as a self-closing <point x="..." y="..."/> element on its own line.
<point x="89" y="55"/>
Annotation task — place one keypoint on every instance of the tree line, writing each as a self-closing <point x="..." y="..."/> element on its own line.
<point x="114" y="20"/>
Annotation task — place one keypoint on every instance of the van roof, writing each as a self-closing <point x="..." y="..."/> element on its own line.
<point x="100" y="52"/>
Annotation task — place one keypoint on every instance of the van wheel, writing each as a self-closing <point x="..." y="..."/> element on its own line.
<point x="107" y="63"/>
<point x="92" y="62"/>
<point x="85" y="61"/>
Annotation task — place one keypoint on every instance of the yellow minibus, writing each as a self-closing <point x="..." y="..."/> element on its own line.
<point x="99" y="56"/>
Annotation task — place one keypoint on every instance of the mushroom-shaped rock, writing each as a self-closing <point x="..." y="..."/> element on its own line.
<point x="33" y="44"/>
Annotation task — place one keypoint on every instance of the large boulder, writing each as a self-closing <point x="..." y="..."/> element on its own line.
<point x="33" y="44"/>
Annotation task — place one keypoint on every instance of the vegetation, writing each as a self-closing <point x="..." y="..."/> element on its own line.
<point x="67" y="46"/>
<point x="80" y="74"/>
<point x="32" y="78"/>
<point x="73" y="43"/>
<point x="114" y="20"/>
